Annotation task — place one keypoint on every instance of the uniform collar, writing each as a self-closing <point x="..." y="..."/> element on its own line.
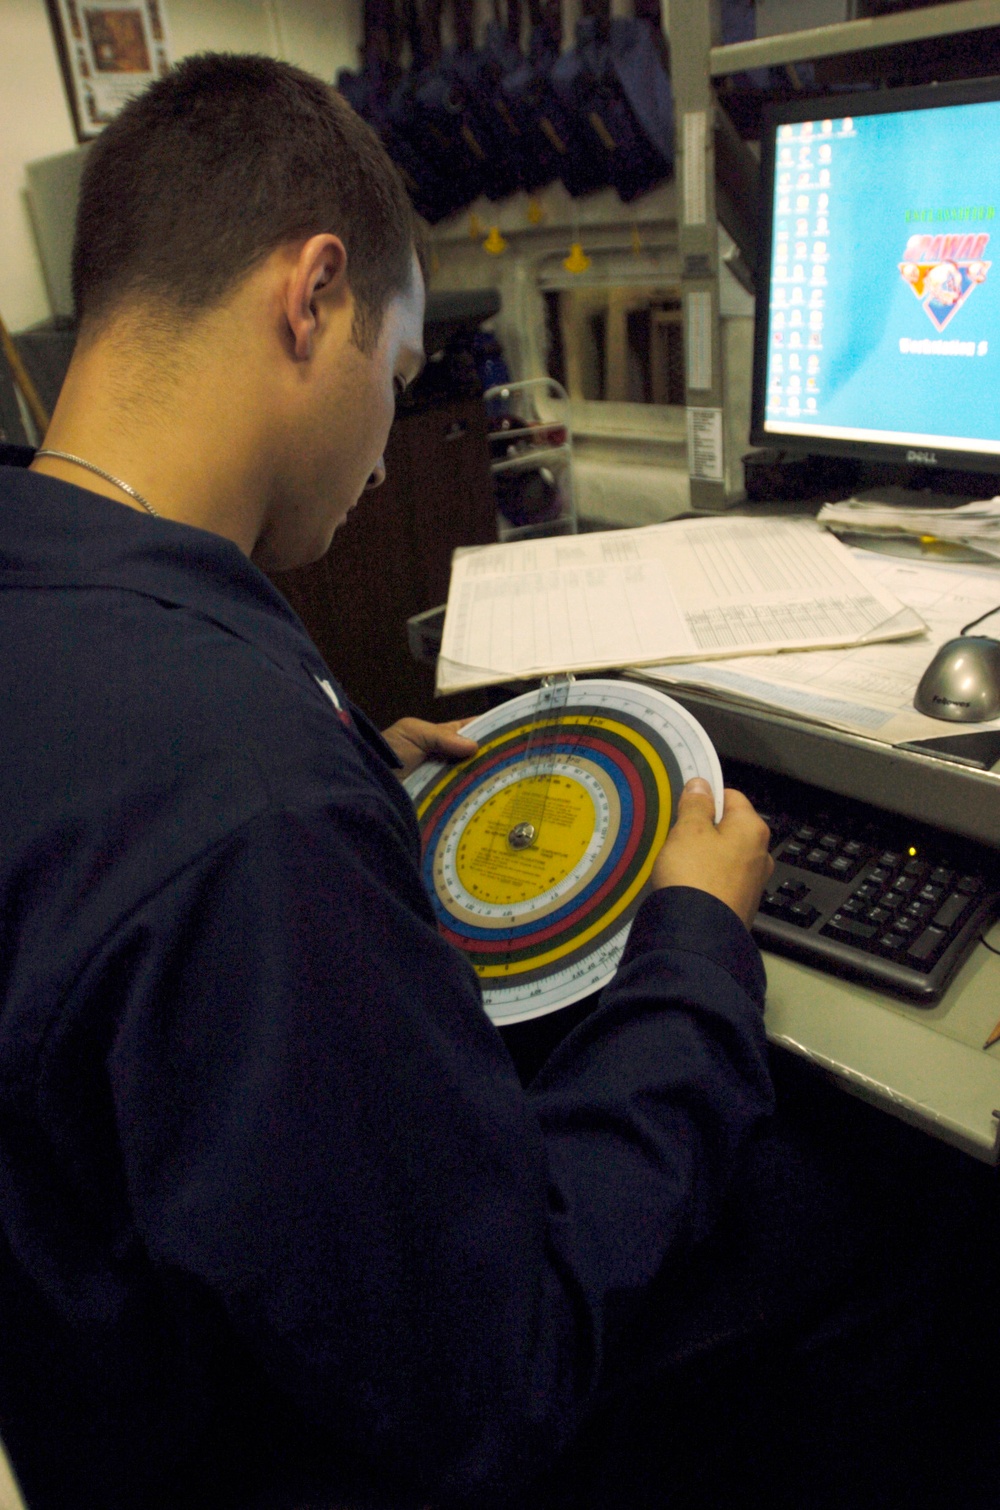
<point x="59" y="536"/>
<point x="56" y="535"/>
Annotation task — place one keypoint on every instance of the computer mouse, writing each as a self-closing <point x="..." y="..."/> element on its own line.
<point x="962" y="682"/>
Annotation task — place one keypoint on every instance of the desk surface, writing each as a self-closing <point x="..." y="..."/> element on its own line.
<point x="925" y="1065"/>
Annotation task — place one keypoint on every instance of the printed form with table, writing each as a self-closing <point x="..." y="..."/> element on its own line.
<point x="799" y="653"/>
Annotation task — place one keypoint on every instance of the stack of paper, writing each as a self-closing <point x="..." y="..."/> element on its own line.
<point x="688" y="591"/>
<point x="975" y="524"/>
<point x="869" y="689"/>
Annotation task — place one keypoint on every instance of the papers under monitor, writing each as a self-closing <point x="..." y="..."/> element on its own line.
<point x="974" y="524"/>
<point x="688" y="591"/>
<point x="869" y="689"/>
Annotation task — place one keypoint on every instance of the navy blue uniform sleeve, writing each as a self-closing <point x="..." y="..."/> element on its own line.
<point x="321" y="1124"/>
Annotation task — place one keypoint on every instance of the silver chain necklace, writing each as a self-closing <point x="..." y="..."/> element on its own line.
<point x="116" y="481"/>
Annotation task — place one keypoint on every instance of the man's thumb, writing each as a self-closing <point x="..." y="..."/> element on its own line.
<point x="697" y="800"/>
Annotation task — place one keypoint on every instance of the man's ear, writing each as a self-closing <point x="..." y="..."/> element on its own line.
<point x="320" y="271"/>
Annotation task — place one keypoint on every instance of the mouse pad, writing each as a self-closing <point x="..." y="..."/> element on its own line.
<point x="981" y="750"/>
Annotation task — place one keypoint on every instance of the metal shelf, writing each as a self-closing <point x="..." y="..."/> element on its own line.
<point x="535" y="396"/>
<point x="538" y="456"/>
<point x="855" y="36"/>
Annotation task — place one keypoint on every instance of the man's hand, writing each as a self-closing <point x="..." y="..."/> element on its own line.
<point x="414" y="740"/>
<point x="729" y="860"/>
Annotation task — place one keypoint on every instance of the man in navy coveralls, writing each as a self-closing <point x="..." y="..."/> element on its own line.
<point x="278" y="1223"/>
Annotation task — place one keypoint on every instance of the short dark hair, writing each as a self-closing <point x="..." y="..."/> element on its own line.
<point x="217" y="164"/>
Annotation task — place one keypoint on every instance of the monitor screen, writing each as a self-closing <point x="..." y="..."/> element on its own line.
<point x="878" y="297"/>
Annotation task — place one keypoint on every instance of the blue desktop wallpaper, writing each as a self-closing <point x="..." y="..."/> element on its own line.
<point x="900" y="308"/>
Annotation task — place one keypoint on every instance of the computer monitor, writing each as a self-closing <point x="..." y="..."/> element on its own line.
<point x="878" y="292"/>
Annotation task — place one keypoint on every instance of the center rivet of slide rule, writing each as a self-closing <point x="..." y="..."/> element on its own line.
<point x="521" y="835"/>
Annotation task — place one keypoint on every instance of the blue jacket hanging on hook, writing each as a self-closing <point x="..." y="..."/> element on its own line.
<point x="424" y="129"/>
<point x="639" y="57"/>
<point x="615" y="83"/>
<point x="460" y="128"/>
<point x="376" y="91"/>
<point x="557" y="142"/>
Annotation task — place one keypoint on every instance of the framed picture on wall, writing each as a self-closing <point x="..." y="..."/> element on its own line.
<point x="109" y="50"/>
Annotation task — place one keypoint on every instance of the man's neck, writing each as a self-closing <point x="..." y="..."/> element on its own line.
<point x="182" y="435"/>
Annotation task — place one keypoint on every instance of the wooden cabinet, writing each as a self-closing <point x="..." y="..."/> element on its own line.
<point x="392" y="558"/>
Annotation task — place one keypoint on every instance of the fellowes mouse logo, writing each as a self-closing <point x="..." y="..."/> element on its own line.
<point x="943" y="270"/>
<point x="950" y="702"/>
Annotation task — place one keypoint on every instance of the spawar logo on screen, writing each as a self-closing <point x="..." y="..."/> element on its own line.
<point x="943" y="271"/>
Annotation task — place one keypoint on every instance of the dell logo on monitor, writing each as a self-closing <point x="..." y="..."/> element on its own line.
<point x="925" y="458"/>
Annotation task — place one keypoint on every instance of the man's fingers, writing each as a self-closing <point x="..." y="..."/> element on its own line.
<point x="739" y="812"/>
<point x="448" y="737"/>
<point x="444" y="740"/>
<point x="735" y="802"/>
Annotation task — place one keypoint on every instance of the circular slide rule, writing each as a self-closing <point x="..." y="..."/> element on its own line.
<point x="536" y="852"/>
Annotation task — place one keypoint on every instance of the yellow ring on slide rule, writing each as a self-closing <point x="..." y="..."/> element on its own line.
<point x="489" y="822"/>
<point x="488" y="972"/>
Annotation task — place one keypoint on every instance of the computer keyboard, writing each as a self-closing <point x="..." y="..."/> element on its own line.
<point x="866" y="894"/>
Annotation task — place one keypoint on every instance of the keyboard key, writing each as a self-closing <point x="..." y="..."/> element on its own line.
<point x="850" y="928"/>
<point x="818" y="858"/>
<point x="842" y="867"/>
<point x="931" y="893"/>
<point x="793" y="891"/>
<point x="806" y="833"/>
<point x="904" y="885"/>
<point x="889" y="858"/>
<point x="927" y="947"/>
<point x="879" y="875"/>
<point x="919" y="910"/>
<point x="830" y="841"/>
<point x="777" y="823"/>
<point x="793" y="851"/>
<point x="941" y="877"/>
<point x="802" y="915"/>
<point x="867" y="892"/>
<point x="969" y="885"/>
<point x="950" y="911"/>
<point x="853" y="849"/>
<point x="874" y="914"/>
<point x="892" y="943"/>
<point x="914" y="868"/>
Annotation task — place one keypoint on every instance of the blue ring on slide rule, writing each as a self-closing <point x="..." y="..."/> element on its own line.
<point x="521" y="930"/>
